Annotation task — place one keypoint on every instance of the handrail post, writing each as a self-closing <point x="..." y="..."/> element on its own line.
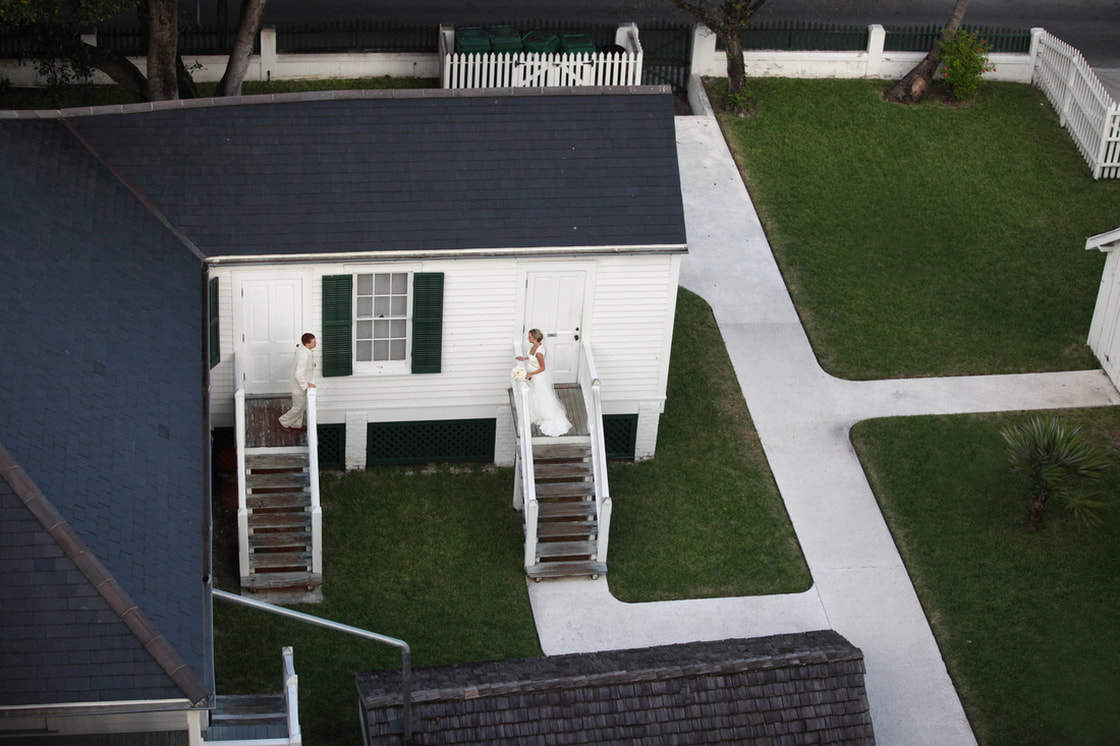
<point x="313" y="477"/>
<point x="593" y="403"/>
<point x="242" y="509"/>
<point x="527" y="499"/>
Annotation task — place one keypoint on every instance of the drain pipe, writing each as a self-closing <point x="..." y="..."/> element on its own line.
<point x="406" y="652"/>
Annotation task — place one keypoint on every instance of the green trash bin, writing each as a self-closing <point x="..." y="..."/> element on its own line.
<point x="471" y="39"/>
<point x="540" y="41"/>
<point x="577" y="44"/>
<point x="504" y="39"/>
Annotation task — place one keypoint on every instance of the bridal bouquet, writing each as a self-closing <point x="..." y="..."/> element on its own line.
<point x="519" y="372"/>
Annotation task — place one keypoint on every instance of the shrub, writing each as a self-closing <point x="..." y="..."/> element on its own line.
<point x="965" y="60"/>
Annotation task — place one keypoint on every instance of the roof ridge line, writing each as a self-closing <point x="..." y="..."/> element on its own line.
<point x="77" y="551"/>
<point x="140" y="197"/>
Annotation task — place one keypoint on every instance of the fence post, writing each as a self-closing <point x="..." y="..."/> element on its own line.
<point x="268" y="52"/>
<point x="704" y="52"/>
<point x="876" y="42"/>
<point x="1035" y="51"/>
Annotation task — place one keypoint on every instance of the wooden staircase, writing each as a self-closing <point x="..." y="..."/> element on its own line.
<point x="567" y="529"/>
<point x="248" y="717"/>
<point x="278" y="498"/>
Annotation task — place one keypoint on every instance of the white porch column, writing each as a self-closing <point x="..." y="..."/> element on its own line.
<point x="704" y="52"/>
<point x="645" y="439"/>
<point x="356" y="437"/>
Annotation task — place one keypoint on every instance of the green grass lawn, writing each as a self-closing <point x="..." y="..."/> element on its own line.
<point x="433" y="555"/>
<point x="1028" y="623"/>
<point x="927" y="240"/>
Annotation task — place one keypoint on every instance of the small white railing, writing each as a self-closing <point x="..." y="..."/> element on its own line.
<point x="1084" y="107"/>
<point x="541" y="69"/>
<point x="291" y="698"/>
<point x="313" y="476"/>
<point x="242" y="506"/>
<point x="593" y="404"/>
<point x="524" y="481"/>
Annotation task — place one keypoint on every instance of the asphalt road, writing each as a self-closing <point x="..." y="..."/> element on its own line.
<point x="1093" y="26"/>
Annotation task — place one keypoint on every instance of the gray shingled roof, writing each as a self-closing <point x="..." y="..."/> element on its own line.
<point x="101" y="404"/>
<point x="786" y="689"/>
<point x="417" y="171"/>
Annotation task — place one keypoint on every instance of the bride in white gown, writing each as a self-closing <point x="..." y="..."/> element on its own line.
<point x="545" y="410"/>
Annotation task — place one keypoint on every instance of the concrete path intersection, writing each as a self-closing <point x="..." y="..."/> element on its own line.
<point x="803" y="416"/>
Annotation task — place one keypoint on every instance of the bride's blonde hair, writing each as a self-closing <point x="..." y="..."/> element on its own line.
<point x="536" y="334"/>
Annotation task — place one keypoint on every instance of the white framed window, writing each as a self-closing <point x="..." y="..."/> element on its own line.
<point x="381" y="322"/>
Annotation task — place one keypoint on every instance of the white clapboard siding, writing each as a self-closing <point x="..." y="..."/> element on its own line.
<point x="628" y="320"/>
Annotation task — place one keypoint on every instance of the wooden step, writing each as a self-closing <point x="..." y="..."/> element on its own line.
<point x="579" y="510"/>
<point x="566" y="569"/>
<point x="294" y="479"/>
<point x="276" y="460"/>
<point x="561" y="451"/>
<point x="264" y="560"/>
<point x="562" y="470"/>
<point x="554" y="490"/>
<point x="275" y="581"/>
<point x="274" y="500"/>
<point x="566" y="529"/>
<point x="565" y="549"/>
<point x="296" y="519"/>
<point x="244" y="709"/>
<point x="279" y="540"/>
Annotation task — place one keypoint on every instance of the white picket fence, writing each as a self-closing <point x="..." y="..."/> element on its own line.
<point x="537" y="69"/>
<point x="1083" y="105"/>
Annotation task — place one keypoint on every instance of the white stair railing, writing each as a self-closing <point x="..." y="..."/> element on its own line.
<point x="291" y="699"/>
<point x="591" y="388"/>
<point x="242" y="506"/>
<point x="525" y="487"/>
<point x="313" y="477"/>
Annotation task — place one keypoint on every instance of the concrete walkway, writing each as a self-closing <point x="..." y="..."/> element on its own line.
<point x="803" y="415"/>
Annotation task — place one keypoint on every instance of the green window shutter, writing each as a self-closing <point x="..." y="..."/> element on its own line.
<point x="215" y="339"/>
<point x="338" y="341"/>
<point x="427" y="322"/>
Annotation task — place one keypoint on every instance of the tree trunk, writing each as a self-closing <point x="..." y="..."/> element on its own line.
<point x="247" y="28"/>
<point x="915" y="83"/>
<point x="120" y="69"/>
<point x="736" y="74"/>
<point x="1038" y="507"/>
<point x="163" y="44"/>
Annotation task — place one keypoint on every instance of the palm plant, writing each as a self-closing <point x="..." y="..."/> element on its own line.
<point x="1056" y="460"/>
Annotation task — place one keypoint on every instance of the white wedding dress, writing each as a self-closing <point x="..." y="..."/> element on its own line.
<point x="545" y="410"/>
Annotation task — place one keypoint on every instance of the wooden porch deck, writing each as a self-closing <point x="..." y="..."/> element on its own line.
<point x="571" y="397"/>
<point x="261" y="427"/>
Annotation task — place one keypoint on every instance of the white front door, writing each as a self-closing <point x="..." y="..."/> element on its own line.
<point x="271" y="327"/>
<point x="554" y="304"/>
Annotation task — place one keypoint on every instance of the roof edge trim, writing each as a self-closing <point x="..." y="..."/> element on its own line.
<point x="445" y="254"/>
<point x="78" y="552"/>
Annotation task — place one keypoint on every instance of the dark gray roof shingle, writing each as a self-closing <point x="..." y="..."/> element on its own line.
<point x="101" y="404"/>
<point x="790" y="689"/>
<point x="434" y="172"/>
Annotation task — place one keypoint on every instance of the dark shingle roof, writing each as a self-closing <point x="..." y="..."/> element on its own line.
<point x="788" y="689"/>
<point x="436" y="171"/>
<point x="101" y="404"/>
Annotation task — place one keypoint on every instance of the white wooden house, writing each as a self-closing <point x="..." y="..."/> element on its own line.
<point x="419" y="235"/>
<point x="1104" y="332"/>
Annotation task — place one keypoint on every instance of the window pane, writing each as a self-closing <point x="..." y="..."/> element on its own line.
<point x="365" y="307"/>
<point x="365" y="351"/>
<point x="381" y="284"/>
<point x="365" y="284"/>
<point x="400" y="305"/>
<point x="380" y="350"/>
<point x="397" y="328"/>
<point x="400" y="283"/>
<point x="365" y="329"/>
<point x="396" y="348"/>
<point x="381" y="306"/>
